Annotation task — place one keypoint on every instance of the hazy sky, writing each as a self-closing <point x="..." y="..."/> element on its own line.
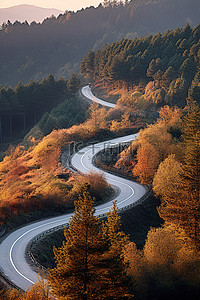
<point x="59" y="4"/>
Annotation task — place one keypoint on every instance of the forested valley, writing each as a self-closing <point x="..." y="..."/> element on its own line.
<point x="57" y="45"/>
<point x="155" y="81"/>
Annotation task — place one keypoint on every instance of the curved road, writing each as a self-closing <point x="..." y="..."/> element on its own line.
<point x="13" y="249"/>
<point x="86" y="91"/>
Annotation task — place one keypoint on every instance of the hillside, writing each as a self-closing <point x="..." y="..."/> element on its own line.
<point x="151" y="72"/>
<point x="58" y="44"/>
<point x="28" y="13"/>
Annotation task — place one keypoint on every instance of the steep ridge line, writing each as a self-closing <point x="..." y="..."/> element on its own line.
<point x="13" y="261"/>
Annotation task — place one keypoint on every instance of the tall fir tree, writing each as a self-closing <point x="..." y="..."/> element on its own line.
<point x="85" y="261"/>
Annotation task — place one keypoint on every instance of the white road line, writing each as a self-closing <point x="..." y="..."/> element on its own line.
<point x="114" y="180"/>
<point x="20" y="237"/>
<point x="11" y="260"/>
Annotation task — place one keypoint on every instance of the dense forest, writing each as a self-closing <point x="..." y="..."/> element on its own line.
<point x="58" y="44"/>
<point x="156" y="70"/>
<point x="46" y="105"/>
<point x="24" y="105"/>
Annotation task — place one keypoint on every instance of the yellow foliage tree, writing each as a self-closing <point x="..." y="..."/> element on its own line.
<point x="159" y="138"/>
<point x="179" y="183"/>
<point x="170" y="116"/>
<point x="168" y="262"/>
<point x="147" y="163"/>
<point x="97" y="117"/>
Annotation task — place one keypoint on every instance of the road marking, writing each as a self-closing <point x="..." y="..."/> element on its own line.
<point x="132" y="190"/>
<point x="19" y="238"/>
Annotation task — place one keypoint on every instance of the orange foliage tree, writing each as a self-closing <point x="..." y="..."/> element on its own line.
<point x="168" y="262"/>
<point x="178" y="182"/>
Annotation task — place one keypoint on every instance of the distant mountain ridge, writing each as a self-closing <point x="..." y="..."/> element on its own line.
<point x="58" y="44"/>
<point x="27" y="12"/>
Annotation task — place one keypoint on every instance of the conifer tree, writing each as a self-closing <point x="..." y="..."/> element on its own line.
<point x="85" y="261"/>
<point x="73" y="83"/>
<point x="118" y="285"/>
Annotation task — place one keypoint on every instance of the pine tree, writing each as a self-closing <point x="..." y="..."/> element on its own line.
<point x="73" y="83"/>
<point x="85" y="261"/>
<point x="118" y="285"/>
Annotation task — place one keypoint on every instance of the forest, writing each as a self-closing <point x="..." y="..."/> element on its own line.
<point x="156" y="81"/>
<point x="39" y="107"/>
<point x="155" y="71"/>
<point x="24" y="105"/>
<point x="57" y="45"/>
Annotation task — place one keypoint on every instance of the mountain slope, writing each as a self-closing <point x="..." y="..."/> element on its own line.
<point x="26" y="12"/>
<point x="58" y="44"/>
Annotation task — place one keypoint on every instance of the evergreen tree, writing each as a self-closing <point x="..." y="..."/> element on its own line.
<point x="73" y="83"/>
<point x="118" y="285"/>
<point x="194" y="90"/>
<point x="89" y="264"/>
<point x="87" y="65"/>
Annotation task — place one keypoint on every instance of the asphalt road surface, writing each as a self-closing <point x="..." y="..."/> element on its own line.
<point x="13" y="249"/>
<point x="86" y="91"/>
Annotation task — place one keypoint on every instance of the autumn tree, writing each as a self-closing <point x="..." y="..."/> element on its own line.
<point x="118" y="280"/>
<point x="155" y="144"/>
<point x="39" y="291"/>
<point x="168" y="263"/>
<point x="127" y="158"/>
<point x="191" y="167"/>
<point x="147" y="163"/>
<point x="85" y="261"/>
<point x="178" y="182"/>
<point x="98" y="116"/>
<point x="170" y="116"/>
<point x="13" y="294"/>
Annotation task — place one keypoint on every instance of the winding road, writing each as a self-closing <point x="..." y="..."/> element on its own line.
<point x="13" y="261"/>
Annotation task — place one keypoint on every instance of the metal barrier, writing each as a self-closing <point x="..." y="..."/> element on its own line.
<point x="49" y="231"/>
<point x="8" y="281"/>
<point x="30" y="254"/>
